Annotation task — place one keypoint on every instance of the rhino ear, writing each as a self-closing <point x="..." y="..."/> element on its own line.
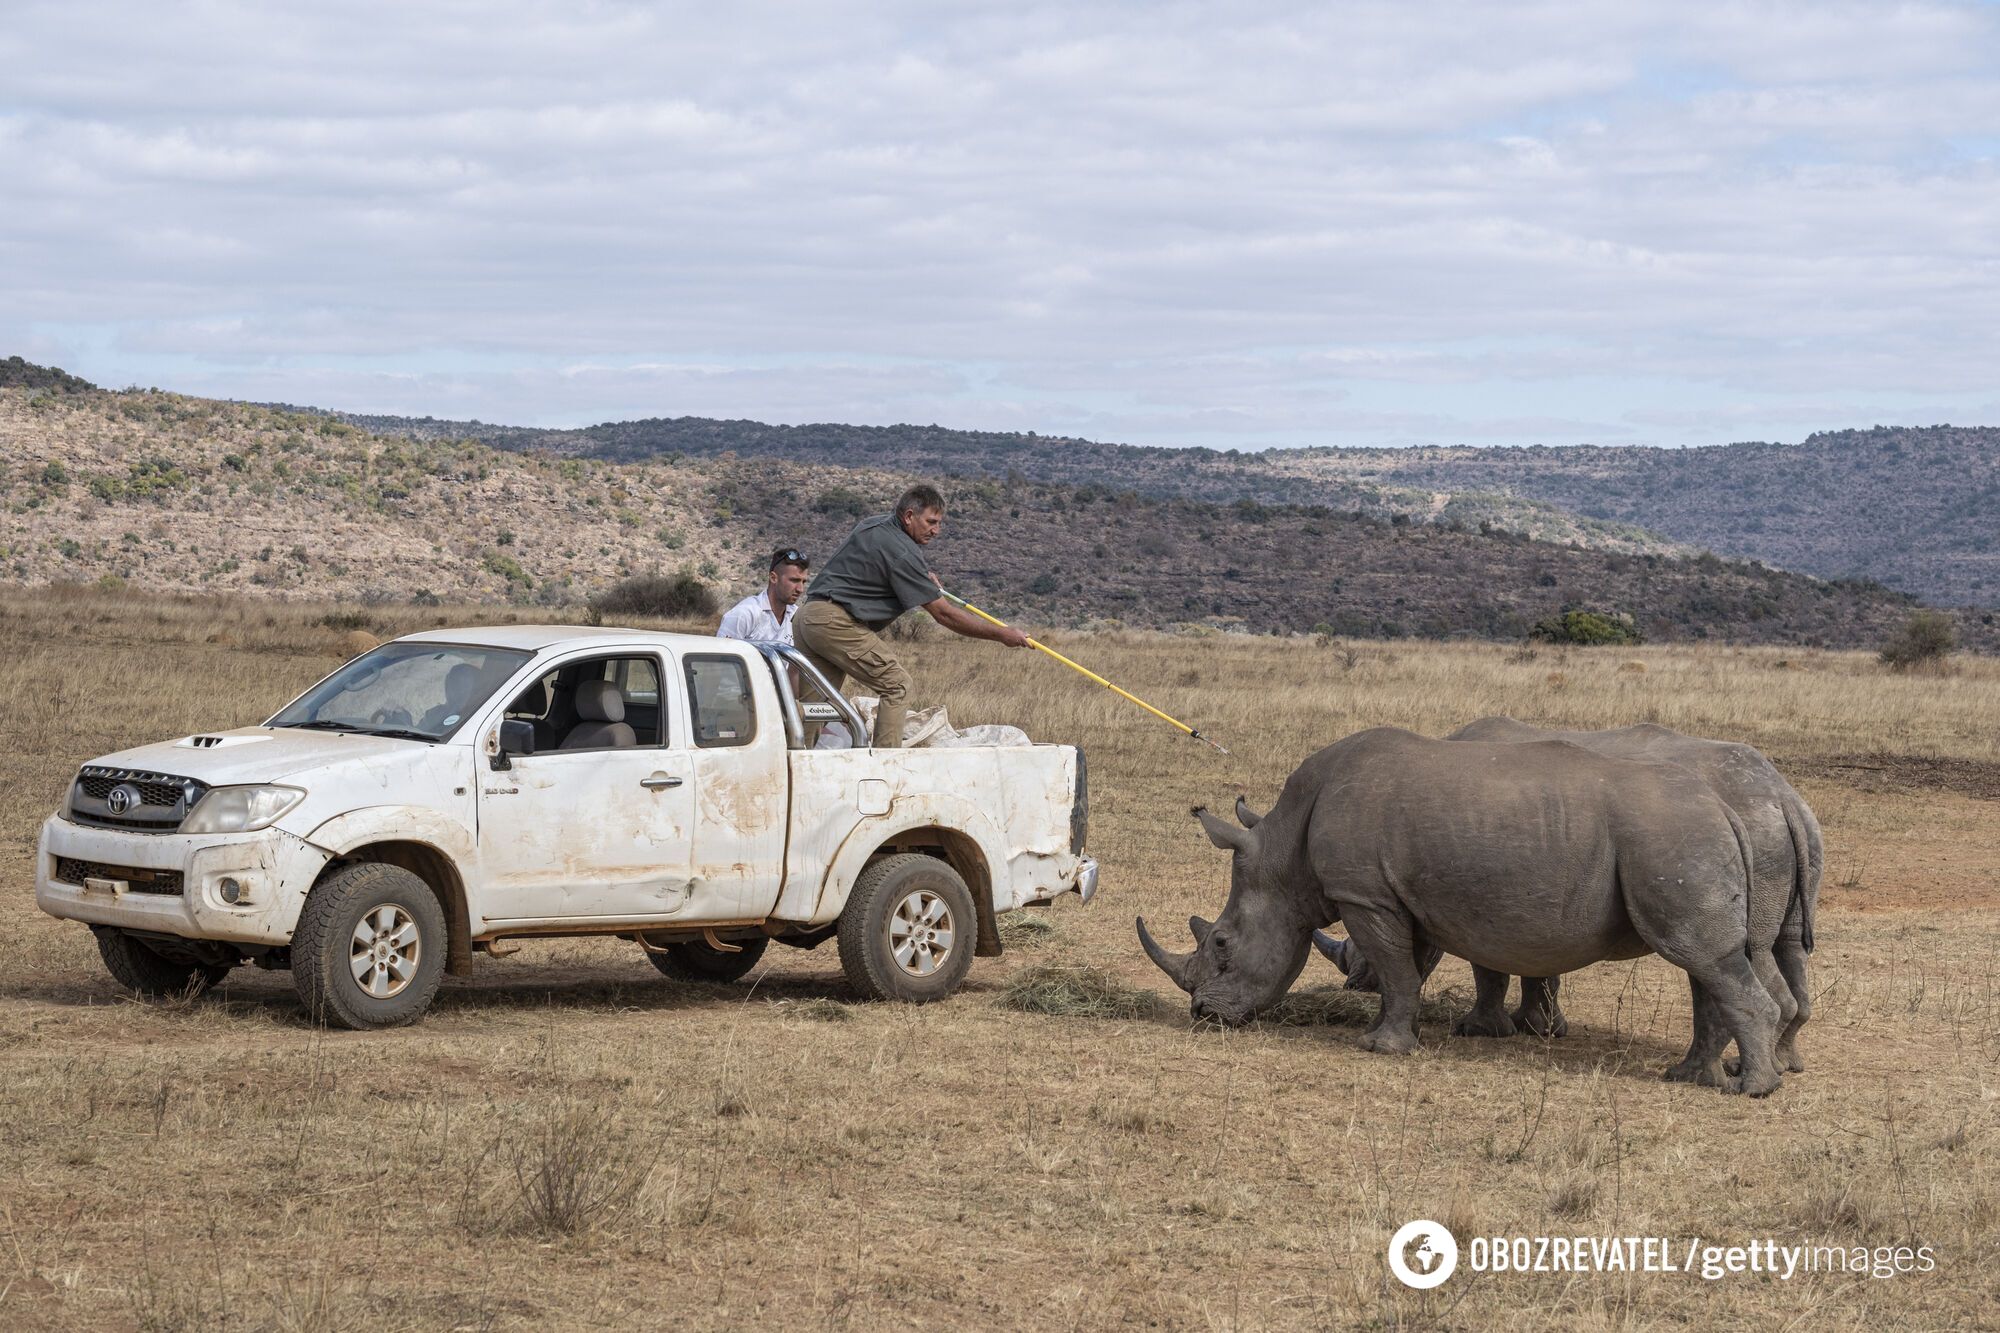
<point x="1245" y="816"/>
<point x="1199" y="928"/>
<point x="1223" y="834"/>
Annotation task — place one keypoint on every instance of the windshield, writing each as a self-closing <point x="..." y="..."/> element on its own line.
<point x="422" y="691"/>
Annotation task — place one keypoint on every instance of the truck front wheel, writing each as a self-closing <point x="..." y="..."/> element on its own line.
<point x="908" y="930"/>
<point x="139" y="967"/>
<point x="369" y="949"/>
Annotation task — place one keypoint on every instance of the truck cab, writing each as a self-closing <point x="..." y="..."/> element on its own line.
<point x="448" y="792"/>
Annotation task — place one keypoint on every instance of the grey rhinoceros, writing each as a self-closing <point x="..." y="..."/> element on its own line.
<point x="1784" y="891"/>
<point x="1526" y="859"/>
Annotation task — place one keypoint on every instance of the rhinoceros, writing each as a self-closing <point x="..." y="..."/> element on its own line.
<point x="1784" y="837"/>
<point x="1527" y="859"/>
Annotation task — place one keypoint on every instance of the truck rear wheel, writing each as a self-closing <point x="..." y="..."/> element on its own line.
<point x="696" y="960"/>
<point x="138" y="967"/>
<point x="369" y="949"/>
<point x="908" y="930"/>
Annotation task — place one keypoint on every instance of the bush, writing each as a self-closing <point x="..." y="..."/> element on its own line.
<point x="1925" y="638"/>
<point x="841" y="500"/>
<point x="668" y="596"/>
<point x="1587" y="628"/>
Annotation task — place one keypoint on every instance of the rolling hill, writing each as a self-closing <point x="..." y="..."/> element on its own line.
<point x="1915" y="509"/>
<point x="159" y="490"/>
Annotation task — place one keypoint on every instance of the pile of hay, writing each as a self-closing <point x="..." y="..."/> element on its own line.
<point x="1334" y="1006"/>
<point x="1074" y="990"/>
<point x="1023" y="930"/>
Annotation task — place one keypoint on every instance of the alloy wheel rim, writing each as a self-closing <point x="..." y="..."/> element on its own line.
<point x="920" y="933"/>
<point x="384" y="952"/>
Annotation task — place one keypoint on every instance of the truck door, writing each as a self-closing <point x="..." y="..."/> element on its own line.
<point x="742" y="785"/>
<point x="596" y="824"/>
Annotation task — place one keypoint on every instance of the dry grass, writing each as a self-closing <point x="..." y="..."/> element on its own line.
<point x="571" y="1141"/>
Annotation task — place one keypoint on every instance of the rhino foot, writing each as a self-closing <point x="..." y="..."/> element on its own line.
<point x="1477" y="1023"/>
<point x="1537" y="1022"/>
<point x="1388" y="1042"/>
<point x="1789" y="1059"/>
<point x="1702" y="1073"/>
<point x="1752" y="1086"/>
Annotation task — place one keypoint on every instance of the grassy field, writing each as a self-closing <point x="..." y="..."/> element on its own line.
<point x="570" y="1141"/>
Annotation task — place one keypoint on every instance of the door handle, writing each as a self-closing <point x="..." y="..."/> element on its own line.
<point x="659" y="781"/>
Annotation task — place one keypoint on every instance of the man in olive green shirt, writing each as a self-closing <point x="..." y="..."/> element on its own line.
<point x="878" y="573"/>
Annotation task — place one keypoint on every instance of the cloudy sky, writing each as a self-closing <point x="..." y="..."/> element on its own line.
<point x="1244" y="225"/>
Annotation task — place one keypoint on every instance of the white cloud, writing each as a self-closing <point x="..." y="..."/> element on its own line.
<point x="1458" y="221"/>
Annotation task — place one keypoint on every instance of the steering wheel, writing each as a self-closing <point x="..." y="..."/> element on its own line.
<point x="389" y="717"/>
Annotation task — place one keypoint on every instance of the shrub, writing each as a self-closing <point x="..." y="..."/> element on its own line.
<point x="1925" y="638"/>
<point x="668" y="596"/>
<point x="841" y="500"/>
<point x="508" y="568"/>
<point x="1587" y="628"/>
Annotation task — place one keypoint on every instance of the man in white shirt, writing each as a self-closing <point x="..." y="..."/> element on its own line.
<point x="766" y="617"/>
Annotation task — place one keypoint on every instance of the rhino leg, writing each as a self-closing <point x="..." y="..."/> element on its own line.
<point x="1361" y="973"/>
<point x="1779" y="988"/>
<point x="1540" y="1012"/>
<point x="1488" y="1015"/>
<point x="1790" y="957"/>
<point x="1703" y="1062"/>
<point x="1744" y="1010"/>
<point x="1387" y="938"/>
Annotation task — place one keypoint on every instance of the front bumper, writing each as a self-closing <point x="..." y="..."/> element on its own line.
<point x="272" y="869"/>
<point x="1086" y="879"/>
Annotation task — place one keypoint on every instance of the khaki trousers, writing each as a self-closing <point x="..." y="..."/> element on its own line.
<point x="841" y="646"/>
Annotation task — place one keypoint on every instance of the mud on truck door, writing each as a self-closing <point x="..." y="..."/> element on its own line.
<point x="742" y="782"/>
<point x="600" y="824"/>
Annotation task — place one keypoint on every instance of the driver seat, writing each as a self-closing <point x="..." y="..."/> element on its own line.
<point x="600" y="711"/>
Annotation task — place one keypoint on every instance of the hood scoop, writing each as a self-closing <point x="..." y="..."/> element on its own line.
<point x="217" y="742"/>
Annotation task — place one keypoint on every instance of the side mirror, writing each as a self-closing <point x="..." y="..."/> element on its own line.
<point x="516" y="738"/>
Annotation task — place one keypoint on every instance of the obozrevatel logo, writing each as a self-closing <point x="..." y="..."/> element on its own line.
<point x="1422" y="1254"/>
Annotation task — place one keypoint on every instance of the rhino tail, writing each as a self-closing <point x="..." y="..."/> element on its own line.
<point x="1807" y="860"/>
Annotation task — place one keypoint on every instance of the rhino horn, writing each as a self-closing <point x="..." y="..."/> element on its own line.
<point x="1173" y="964"/>
<point x="1199" y="926"/>
<point x="1335" y="950"/>
<point x="1222" y="833"/>
<point x="1245" y="816"/>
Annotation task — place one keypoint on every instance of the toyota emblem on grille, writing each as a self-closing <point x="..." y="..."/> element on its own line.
<point x="122" y="798"/>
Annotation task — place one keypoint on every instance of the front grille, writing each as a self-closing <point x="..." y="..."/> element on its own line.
<point x="154" y="790"/>
<point x="163" y="799"/>
<point x="137" y="879"/>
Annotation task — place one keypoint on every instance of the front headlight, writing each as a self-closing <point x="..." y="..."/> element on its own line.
<point x="240" y="809"/>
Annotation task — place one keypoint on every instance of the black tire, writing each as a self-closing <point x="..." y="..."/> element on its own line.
<point x="326" y="946"/>
<point x="696" y="960"/>
<point x="876" y="908"/>
<point x="139" y="968"/>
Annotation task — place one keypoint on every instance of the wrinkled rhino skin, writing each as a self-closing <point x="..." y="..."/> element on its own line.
<point x="1784" y="893"/>
<point x="1532" y="859"/>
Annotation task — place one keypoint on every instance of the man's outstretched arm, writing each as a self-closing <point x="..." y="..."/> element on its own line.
<point x="972" y="627"/>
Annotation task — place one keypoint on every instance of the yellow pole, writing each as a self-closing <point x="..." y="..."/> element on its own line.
<point x="1086" y="671"/>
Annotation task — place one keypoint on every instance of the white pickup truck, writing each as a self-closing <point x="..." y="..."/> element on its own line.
<point x="449" y="791"/>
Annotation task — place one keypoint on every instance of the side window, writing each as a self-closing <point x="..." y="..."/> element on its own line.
<point x="639" y="678"/>
<point x="719" y="701"/>
<point x="569" y="708"/>
<point x="532" y="704"/>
